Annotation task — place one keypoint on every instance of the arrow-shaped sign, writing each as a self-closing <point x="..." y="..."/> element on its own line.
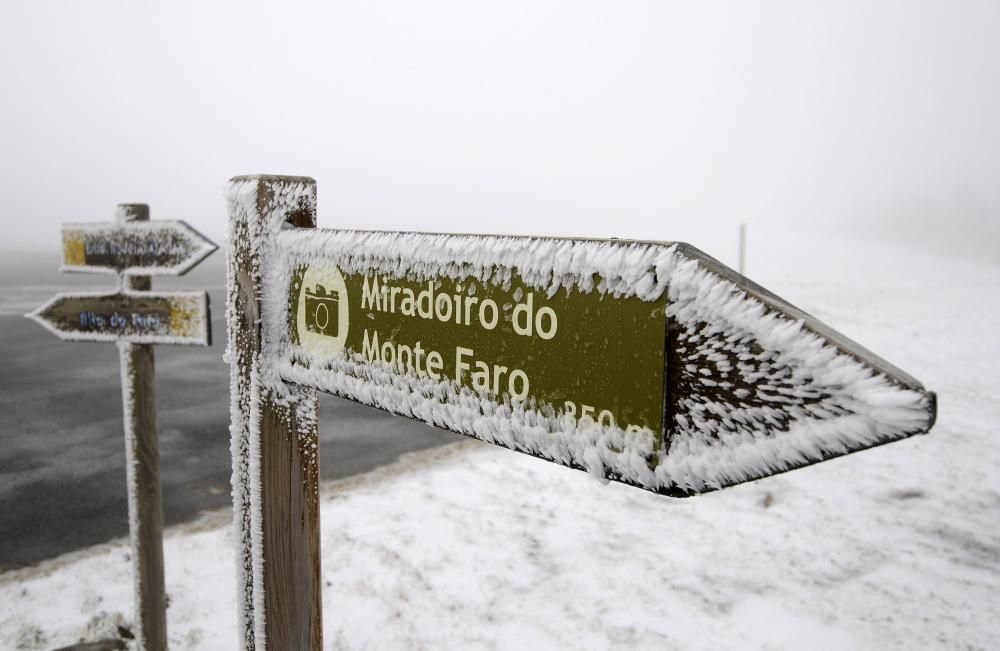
<point x="162" y="247"/>
<point x="134" y="317"/>
<point x="645" y="362"/>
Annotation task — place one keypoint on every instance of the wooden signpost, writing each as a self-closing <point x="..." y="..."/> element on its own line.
<point x="136" y="318"/>
<point x="648" y="363"/>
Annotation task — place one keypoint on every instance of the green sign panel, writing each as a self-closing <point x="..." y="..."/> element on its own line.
<point x="587" y="355"/>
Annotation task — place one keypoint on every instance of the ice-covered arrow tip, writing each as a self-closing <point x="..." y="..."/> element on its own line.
<point x="756" y="386"/>
<point x="159" y="247"/>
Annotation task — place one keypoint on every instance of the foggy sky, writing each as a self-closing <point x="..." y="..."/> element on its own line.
<point x="646" y="119"/>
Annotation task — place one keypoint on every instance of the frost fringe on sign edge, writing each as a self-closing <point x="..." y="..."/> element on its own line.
<point x="695" y="462"/>
<point x="618" y="268"/>
<point x="247" y="543"/>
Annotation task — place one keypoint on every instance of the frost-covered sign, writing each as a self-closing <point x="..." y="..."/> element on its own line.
<point x="162" y="247"/>
<point x="648" y="363"/>
<point x="135" y="317"/>
<point x="644" y="362"/>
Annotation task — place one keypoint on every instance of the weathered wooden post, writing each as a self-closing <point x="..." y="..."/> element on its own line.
<point x="274" y="431"/>
<point x="142" y="470"/>
<point x="136" y="318"/>
<point x="647" y="363"/>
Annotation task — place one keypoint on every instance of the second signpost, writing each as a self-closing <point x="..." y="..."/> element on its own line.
<point x="136" y="318"/>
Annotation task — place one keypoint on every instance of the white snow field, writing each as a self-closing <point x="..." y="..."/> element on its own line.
<point x="476" y="547"/>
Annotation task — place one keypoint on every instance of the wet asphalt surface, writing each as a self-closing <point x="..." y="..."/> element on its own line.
<point x="62" y="451"/>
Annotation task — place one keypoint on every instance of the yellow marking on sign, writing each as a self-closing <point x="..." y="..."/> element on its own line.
<point x="73" y="251"/>
<point x="182" y="318"/>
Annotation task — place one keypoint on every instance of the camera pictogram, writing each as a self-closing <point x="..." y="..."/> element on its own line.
<point x="322" y="310"/>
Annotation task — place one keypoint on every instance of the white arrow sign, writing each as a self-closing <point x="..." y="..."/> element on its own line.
<point x="166" y="247"/>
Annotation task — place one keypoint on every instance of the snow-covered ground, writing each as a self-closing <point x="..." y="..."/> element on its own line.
<point x="475" y="547"/>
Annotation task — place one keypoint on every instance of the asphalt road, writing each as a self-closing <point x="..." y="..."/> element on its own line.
<point x="62" y="451"/>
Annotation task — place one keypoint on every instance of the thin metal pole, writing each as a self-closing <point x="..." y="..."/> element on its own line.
<point x="743" y="249"/>
<point x="142" y="456"/>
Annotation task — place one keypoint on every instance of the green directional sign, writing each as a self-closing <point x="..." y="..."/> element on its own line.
<point x="587" y="355"/>
<point x="645" y="362"/>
